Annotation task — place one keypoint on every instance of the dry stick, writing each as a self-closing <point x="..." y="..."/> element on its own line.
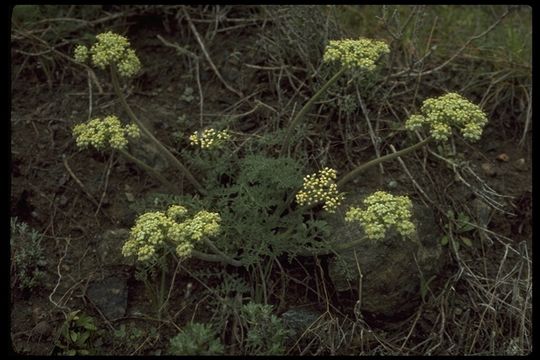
<point x="471" y="39"/>
<point x="197" y="70"/>
<point x="59" y="279"/>
<point x="527" y="119"/>
<point x="81" y="185"/>
<point x="354" y="173"/>
<point x="304" y="110"/>
<point x="410" y="176"/>
<point x="69" y="58"/>
<point x="150" y="170"/>
<point x="160" y="146"/>
<point x="201" y="44"/>
<point x="370" y="128"/>
<point x="170" y="287"/>
<point x="109" y="167"/>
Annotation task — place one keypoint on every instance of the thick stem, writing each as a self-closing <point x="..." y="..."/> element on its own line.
<point x="355" y="172"/>
<point x="160" y="146"/>
<point x="150" y="170"/>
<point x="306" y="107"/>
<point x="215" y="258"/>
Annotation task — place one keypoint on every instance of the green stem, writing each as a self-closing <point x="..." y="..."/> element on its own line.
<point x="162" y="290"/>
<point x="355" y="172"/>
<point x="215" y="258"/>
<point x="306" y="107"/>
<point x="150" y="170"/>
<point x="160" y="146"/>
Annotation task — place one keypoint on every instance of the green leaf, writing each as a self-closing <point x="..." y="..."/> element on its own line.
<point x="444" y="240"/>
<point x="465" y="227"/>
<point x="71" y="352"/>
<point x="82" y="338"/>
<point x="466" y="241"/>
<point x="74" y="335"/>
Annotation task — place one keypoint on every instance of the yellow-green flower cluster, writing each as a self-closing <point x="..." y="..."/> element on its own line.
<point x="147" y="236"/>
<point x="361" y="53"/>
<point x="111" y="49"/>
<point x="383" y="211"/>
<point x="447" y="111"/>
<point x="209" y="138"/>
<point x="154" y="229"/>
<point x="103" y="133"/>
<point x="81" y="53"/>
<point x="320" y="187"/>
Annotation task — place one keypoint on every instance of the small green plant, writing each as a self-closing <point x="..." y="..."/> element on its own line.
<point x="265" y="332"/>
<point x="196" y="339"/>
<point x="460" y="225"/>
<point x="76" y="334"/>
<point x="28" y="257"/>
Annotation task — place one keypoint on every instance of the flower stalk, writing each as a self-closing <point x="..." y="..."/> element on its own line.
<point x="161" y="147"/>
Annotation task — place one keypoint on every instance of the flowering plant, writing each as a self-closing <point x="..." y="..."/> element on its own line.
<point x="383" y="211"/>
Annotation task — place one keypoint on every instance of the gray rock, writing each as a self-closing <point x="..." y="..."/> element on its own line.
<point x="297" y="321"/>
<point x="110" y="296"/>
<point x="390" y="267"/>
<point x="109" y="247"/>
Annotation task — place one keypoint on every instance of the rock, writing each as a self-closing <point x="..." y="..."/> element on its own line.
<point x="297" y="321"/>
<point x="390" y="267"/>
<point x="110" y="296"/>
<point x="109" y="247"/>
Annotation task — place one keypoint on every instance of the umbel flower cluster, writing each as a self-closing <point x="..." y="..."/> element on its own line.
<point x="383" y="211"/>
<point x="209" y="138"/>
<point x="154" y="230"/>
<point x="447" y="111"/>
<point x="110" y="49"/>
<point x="104" y="133"/>
<point x="361" y="53"/>
<point x="320" y="187"/>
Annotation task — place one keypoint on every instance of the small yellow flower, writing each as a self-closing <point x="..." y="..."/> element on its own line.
<point x="445" y="112"/>
<point x="81" y="53"/>
<point x="110" y="49"/>
<point x="361" y="53"/>
<point x="209" y="138"/>
<point x="320" y="187"/>
<point x="383" y="211"/>
<point x="104" y="133"/>
<point x="154" y="230"/>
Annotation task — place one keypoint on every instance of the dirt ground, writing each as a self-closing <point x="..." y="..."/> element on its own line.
<point x="73" y="197"/>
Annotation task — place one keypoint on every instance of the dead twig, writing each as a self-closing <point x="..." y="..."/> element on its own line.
<point x="81" y="185"/>
<point x="203" y="48"/>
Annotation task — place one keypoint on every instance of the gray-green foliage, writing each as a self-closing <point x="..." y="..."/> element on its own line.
<point x="265" y="331"/>
<point x="251" y="205"/>
<point x="27" y="255"/>
<point x="196" y="339"/>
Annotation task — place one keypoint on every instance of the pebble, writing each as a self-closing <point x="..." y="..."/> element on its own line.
<point x="392" y="184"/>
<point x="489" y="169"/>
<point x="520" y="164"/>
<point x="503" y="157"/>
